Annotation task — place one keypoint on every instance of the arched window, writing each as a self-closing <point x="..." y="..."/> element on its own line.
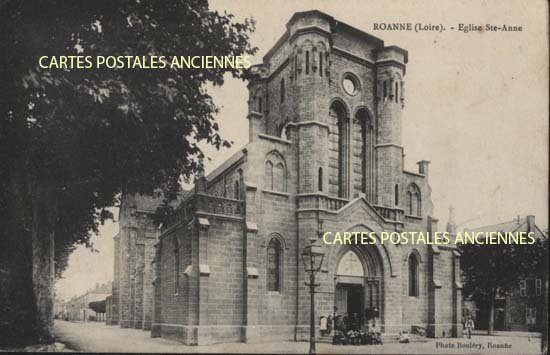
<point x="413" y="275"/>
<point x="268" y="175"/>
<point x="274" y="262"/>
<point x="417" y="207"/>
<point x="282" y="90"/>
<point x="307" y="62"/>
<point x="275" y="172"/>
<point x="296" y="66"/>
<point x="259" y="106"/>
<point x="320" y="179"/>
<point x="279" y="178"/>
<point x="366" y="148"/>
<point x="339" y="113"/>
<point x="396" y="194"/>
<point x="414" y="200"/>
<point x="385" y="88"/>
<point x="237" y="191"/>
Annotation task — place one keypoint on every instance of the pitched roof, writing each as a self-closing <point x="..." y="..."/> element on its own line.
<point x="516" y="225"/>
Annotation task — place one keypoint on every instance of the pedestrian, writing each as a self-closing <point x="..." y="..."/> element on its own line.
<point x="355" y="321"/>
<point x="346" y="322"/>
<point x="323" y="325"/>
<point x="403" y="337"/>
<point x="469" y="326"/>
<point x="329" y="324"/>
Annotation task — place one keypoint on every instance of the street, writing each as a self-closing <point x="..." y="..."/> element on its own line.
<point x="98" y="337"/>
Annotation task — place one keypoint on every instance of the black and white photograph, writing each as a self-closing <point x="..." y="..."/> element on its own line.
<point x="290" y="177"/>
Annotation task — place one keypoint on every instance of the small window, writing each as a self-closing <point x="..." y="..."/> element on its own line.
<point x="260" y="104"/>
<point x="538" y="287"/>
<point x="296" y="66"/>
<point x="413" y="276"/>
<point x="523" y="288"/>
<point x="396" y="91"/>
<point x="530" y="316"/>
<point x="274" y="265"/>
<point x="282" y="90"/>
<point x="237" y="190"/>
<point x="385" y="89"/>
<point x="320" y="179"/>
<point x="396" y="194"/>
<point x="307" y="62"/>
<point x="320" y="64"/>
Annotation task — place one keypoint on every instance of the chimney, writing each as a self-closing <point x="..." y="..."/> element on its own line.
<point x="530" y="223"/>
<point x="423" y="167"/>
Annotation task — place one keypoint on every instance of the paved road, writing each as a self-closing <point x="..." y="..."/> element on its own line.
<point x="98" y="337"/>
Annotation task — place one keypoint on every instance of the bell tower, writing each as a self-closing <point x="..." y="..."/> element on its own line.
<point x="390" y="100"/>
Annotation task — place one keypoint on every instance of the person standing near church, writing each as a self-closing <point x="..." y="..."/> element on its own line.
<point x="469" y="326"/>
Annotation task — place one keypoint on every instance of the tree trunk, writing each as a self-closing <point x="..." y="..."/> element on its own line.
<point x="491" y="313"/>
<point x="43" y="267"/>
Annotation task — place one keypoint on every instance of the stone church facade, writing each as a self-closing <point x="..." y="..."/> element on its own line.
<point x="324" y="154"/>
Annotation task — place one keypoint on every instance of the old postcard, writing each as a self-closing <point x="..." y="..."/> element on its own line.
<point x="331" y="177"/>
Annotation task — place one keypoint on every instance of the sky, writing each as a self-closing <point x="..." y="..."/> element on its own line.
<point x="476" y="107"/>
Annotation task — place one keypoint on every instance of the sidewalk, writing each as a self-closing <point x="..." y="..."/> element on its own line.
<point x="98" y="337"/>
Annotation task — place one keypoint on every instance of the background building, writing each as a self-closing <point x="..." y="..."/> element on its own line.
<point x="78" y="309"/>
<point x="523" y="309"/>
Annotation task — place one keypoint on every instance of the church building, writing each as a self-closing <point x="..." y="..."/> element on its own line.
<point x="324" y="154"/>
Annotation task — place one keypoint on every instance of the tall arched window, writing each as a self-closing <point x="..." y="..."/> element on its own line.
<point x="275" y="172"/>
<point x="282" y="89"/>
<point x="274" y="263"/>
<point x="339" y="113"/>
<point x="414" y="200"/>
<point x="237" y="191"/>
<point x="413" y="275"/>
<point x="307" y="62"/>
<point x="366" y="150"/>
<point x="268" y="175"/>
<point x="279" y="178"/>
<point x="320" y="179"/>
<point x="385" y="88"/>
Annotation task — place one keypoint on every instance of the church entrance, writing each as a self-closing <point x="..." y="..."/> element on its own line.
<point x="349" y="299"/>
<point x="357" y="290"/>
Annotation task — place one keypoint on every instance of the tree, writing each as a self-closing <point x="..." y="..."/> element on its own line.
<point x="98" y="306"/>
<point x="73" y="140"/>
<point x="494" y="270"/>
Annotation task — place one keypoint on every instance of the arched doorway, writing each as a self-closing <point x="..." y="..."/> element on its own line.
<point x="350" y="276"/>
<point x="358" y="284"/>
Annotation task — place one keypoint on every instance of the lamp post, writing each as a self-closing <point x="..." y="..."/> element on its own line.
<point x="312" y="257"/>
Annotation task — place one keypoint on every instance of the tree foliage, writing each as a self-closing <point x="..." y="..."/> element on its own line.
<point x="489" y="271"/>
<point x="88" y="135"/>
<point x="98" y="306"/>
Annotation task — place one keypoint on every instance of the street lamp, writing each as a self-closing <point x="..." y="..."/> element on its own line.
<point x="312" y="257"/>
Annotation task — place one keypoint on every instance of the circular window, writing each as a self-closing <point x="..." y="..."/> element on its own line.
<point x="350" y="84"/>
